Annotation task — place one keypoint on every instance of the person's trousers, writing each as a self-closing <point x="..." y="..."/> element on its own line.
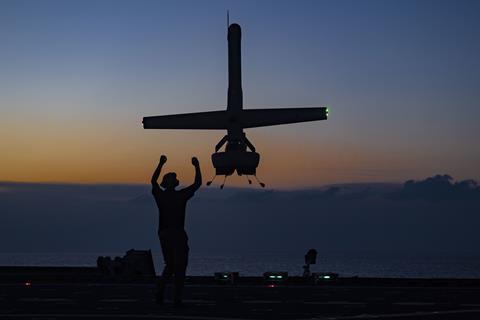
<point x="174" y="243"/>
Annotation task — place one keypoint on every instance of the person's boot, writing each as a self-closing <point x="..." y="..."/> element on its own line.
<point x="178" y="297"/>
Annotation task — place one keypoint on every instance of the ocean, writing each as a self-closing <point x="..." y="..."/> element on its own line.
<point x="254" y="264"/>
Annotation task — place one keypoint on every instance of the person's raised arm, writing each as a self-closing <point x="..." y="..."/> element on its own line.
<point x="198" y="174"/>
<point x="157" y="171"/>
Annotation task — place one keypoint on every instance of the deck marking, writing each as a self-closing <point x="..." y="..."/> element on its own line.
<point x="402" y="315"/>
<point x="102" y="315"/>
<point x="46" y="300"/>
<point x="414" y="303"/>
<point x="262" y="301"/>
<point x="119" y="300"/>
<point x="335" y="303"/>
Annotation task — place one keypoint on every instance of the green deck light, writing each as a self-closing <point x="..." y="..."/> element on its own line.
<point x="324" y="277"/>
<point x="275" y="276"/>
<point x="226" y="277"/>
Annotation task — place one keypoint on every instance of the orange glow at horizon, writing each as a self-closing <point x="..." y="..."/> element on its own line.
<point x="88" y="152"/>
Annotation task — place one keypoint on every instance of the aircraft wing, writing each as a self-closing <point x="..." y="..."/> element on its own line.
<point x="212" y="120"/>
<point x="252" y="118"/>
<point x="246" y="118"/>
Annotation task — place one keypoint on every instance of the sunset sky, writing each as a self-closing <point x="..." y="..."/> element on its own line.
<point x="401" y="79"/>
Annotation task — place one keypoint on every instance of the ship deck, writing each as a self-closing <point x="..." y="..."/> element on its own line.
<point x="81" y="293"/>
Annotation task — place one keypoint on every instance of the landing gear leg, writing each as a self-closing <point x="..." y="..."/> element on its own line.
<point x="223" y="184"/>
<point x="259" y="182"/>
<point x="210" y="182"/>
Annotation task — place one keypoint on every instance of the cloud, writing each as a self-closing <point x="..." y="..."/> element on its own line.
<point x="344" y="219"/>
<point x="438" y="188"/>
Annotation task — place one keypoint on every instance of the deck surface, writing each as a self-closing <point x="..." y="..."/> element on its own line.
<point x="100" y="301"/>
<point x="354" y="298"/>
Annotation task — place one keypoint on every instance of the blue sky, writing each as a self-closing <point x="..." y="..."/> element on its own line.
<point x="401" y="79"/>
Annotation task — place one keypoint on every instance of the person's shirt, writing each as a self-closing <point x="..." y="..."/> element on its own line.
<point x="171" y="206"/>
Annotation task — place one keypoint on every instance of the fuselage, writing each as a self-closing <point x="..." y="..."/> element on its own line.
<point x="235" y="157"/>
<point x="235" y="94"/>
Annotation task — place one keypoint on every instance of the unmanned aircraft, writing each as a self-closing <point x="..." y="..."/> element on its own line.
<point x="239" y="154"/>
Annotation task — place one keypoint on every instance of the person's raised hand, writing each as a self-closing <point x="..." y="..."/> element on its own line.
<point x="195" y="162"/>
<point x="163" y="159"/>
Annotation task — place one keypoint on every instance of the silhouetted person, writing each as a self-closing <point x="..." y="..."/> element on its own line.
<point x="310" y="258"/>
<point x="171" y="232"/>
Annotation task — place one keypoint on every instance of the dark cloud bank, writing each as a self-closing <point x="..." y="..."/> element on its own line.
<point x="433" y="216"/>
